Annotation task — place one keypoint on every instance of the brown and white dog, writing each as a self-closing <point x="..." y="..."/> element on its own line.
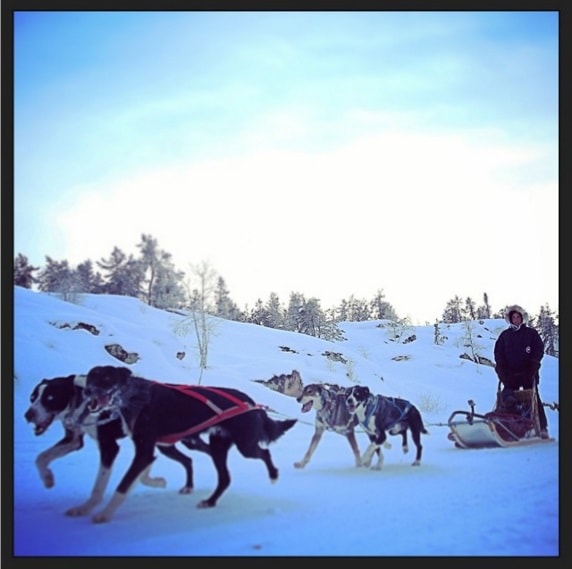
<point x="329" y="402"/>
<point x="63" y="399"/>
<point x="378" y="414"/>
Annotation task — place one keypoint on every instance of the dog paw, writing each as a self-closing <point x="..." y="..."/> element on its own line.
<point x="47" y="477"/>
<point x="376" y="467"/>
<point x="300" y="464"/>
<point x="186" y="490"/>
<point x="156" y="482"/>
<point x="205" y="504"/>
<point x="49" y="480"/>
<point x="77" y="511"/>
<point x="100" y="518"/>
<point x="416" y="463"/>
<point x="405" y="450"/>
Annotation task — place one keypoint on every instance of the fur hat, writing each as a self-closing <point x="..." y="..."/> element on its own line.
<point x="509" y="310"/>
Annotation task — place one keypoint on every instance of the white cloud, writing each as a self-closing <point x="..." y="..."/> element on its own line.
<point x="387" y="211"/>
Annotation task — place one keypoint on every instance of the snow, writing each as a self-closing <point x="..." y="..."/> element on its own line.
<point x="488" y="502"/>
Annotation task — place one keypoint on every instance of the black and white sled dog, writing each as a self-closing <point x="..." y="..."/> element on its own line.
<point x="378" y="414"/>
<point x="63" y="399"/>
<point x="329" y="402"/>
<point x="160" y="413"/>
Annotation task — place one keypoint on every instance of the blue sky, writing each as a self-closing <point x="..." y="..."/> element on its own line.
<point x="327" y="153"/>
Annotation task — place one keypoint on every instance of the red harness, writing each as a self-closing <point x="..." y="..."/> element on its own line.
<point x="219" y="414"/>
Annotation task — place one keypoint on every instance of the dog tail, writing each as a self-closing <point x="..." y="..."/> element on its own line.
<point x="422" y="429"/>
<point x="273" y="429"/>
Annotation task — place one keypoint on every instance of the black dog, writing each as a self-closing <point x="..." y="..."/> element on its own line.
<point x="63" y="398"/>
<point x="378" y="414"/>
<point x="329" y="402"/>
<point x="159" y="413"/>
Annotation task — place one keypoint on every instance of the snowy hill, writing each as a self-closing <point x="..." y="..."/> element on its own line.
<point x="349" y="508"/>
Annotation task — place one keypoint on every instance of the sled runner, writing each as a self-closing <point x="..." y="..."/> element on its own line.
<point x="513" y="422"/>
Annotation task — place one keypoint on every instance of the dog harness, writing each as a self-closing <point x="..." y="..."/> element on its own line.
<point x="336" y="416"/>
<point x="373" y="404"/>
<point x="238" y="408"/>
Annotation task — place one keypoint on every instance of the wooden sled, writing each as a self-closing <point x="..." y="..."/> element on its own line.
<point x="513" y="422"/>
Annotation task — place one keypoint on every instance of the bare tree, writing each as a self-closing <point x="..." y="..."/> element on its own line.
<point x="470" y="340"/>
<point x="201" y="309"/>
<point x="400" y="330"/>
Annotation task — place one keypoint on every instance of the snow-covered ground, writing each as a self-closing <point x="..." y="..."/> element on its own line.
<point x="490" y="502"/>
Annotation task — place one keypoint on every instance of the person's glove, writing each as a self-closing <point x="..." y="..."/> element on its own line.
<point x="531" y="370"/>
<point x="506" y="378"/>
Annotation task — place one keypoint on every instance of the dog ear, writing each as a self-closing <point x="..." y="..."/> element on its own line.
<point x="100" y="374"/>
<point x="123" y="374"/>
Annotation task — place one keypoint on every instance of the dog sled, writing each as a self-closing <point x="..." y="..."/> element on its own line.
<point x="514" y="421"/>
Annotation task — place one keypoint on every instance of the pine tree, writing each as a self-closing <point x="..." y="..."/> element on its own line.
<point x="438" y="338"/>
<point x="358" y="309"/>
<point x="469" y="311"/>
<point x="168" y="291"/>
<point x="149" y="260"/>
<point x="56" y="276"/>
<point x="318" y="322"/>
<point x="258" y="314"/>
<point x="342" y="311"/>
<point x="276" y="313"/>
<point x="380" y="309"/>
<point x="162" y="284"/>
<point x="224" y="306"/>
<point x="293" y="312"/>
<point x="23" y="272"/>
<point x="452" y="313"/>
<point x="484" y="311"/>
<point x="88" y="280"/>
<point x="310" y="317"/>
<point x="548" y="330"/>
<point x="124" y="274"/>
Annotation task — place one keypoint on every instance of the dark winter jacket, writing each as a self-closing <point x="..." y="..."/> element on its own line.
<point x="518" y="353"/>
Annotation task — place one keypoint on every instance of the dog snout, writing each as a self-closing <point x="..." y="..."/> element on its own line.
<point x="30" y="415"/>
<point x="91" y="392"/>
<point x="351" y="403"/>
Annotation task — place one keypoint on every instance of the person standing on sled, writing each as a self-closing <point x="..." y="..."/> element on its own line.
<point x="518" y="352"/>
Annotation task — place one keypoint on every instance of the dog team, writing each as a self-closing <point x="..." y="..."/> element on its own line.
<point x="110" y="403"/>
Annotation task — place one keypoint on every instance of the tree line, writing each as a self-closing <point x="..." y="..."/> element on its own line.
<point x="152" y="277"/>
